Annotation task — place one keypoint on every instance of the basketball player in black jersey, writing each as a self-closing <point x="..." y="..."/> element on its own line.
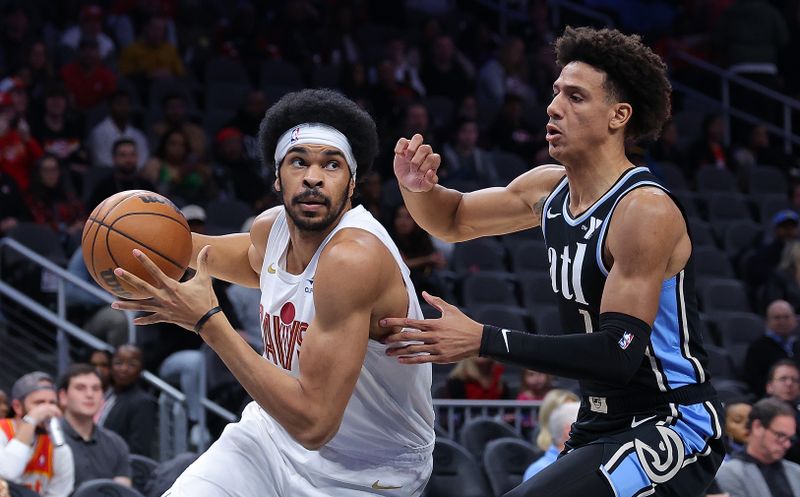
<point x="621" y="263"/>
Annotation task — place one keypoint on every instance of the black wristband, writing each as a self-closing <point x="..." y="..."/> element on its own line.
<point x="202" y="321"/>
<point x="488" y="332"/>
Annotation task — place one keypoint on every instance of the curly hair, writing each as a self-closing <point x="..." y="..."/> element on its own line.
<point x="634" y="74"/>
<point x="325" y="107"/>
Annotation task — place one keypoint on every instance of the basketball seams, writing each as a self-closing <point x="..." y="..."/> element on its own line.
<point x="110" y="228"/>
<point x="100" y="223"/>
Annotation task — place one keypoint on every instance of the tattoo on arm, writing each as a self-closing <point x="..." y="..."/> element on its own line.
<point x="537" y="208"/>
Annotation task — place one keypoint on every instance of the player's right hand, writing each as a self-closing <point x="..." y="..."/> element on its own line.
<point x="44" y="412"/>
<point x="415" y="164"/>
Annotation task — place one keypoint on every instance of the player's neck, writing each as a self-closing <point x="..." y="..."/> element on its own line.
<point x="593" y="174"/>
<point x="303" y="244"/>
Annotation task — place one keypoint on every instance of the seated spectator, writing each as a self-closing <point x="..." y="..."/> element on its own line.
<point x="98" y="452"/>
<point x="534" y="385"/>
<point x="476" y="378"/>
<point x="174" y="105"/>
<point x="784" y="384"/>
<point x="20" y="149"/>
<point x="101" y="361"/>
<point x="784" y="282"/>
<point x="13" y="209"/>
<point x="761" y="470"/>
<point x="129" y="410"/>
<point x="511" y="133"/>
<point x="709" y="149"/>
<point x="28" y="456"/>
<point x="419" y="254"/>
<point x="757" y="151"/>
<point x="446" y="72"/>
<point x="559" y="425"/>
<point x="89" y="81"/>
<point x="666" y="148"/>
<point x="503" y="75"/>
<point x="124" y="175"/>
<point x="236" y="177"/>
<point x="464" y="161"/>
<point x="38" y="72"/>
<point x="778" y="342"/>
<point x="152" y="56"/>
<point x="248" y="120"/>
<point x="90" y="25"/>
<point x="53" y="202"/>
<point x="178" y="173"/>
<point x="4" y="409"/>
<point x="768" y="255"/>
<point x="117" y="125"/>
<point x="736" y="427"/>
<point x="370" y="195"/>
<point x="553" y="399"/>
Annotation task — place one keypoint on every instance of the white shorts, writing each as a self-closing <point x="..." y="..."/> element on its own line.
<point x="254" y="458"/>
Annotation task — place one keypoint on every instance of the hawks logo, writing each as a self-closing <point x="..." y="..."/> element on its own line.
<point x="282" y="335"/>
<point x="661" y="463"/>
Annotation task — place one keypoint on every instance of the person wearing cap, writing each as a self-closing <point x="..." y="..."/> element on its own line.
<point x="28" y="456"/>
<point x="90" y="25"/>
<point x="89" y="81"/>
<point x="784" y="225"/>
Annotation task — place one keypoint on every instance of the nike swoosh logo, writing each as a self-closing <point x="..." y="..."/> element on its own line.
<point x="271" y="269"/>
<point x="505" y="339"/>
<point x="378" y="486"/>
<point x="550" y="214"/>
<point x="635" y="423"/>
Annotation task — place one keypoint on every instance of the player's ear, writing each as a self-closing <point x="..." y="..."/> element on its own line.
<point x="352" y="187"/>
<point x="620" y="115"/>
<point x="277" y="184"/>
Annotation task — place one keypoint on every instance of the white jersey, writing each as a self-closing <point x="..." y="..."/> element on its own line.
<point x="390" y="412"/>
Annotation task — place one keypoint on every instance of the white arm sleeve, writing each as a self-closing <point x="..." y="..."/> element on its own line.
<point x="14" y="456"/>
<point x="63" y="473"/>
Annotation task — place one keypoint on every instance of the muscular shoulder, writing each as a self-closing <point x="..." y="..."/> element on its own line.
<point x="262" y="224"/>
<point x="535" y="185"/>
<point x="354" y="261"/>
<point x="649" y="210"/>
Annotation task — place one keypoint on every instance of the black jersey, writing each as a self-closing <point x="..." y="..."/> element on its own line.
<point x="675" y="356"/>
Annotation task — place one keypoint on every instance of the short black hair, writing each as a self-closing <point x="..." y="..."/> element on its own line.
<point x="324" y="107"/>
<point x="765" y="410"/>
<point x="120" y="142"/>
<point x="78" y="369"/>
<point x="781" y="362"/>
<point x="634" y="74"/>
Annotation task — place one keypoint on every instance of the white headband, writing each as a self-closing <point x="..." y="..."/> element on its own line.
<point x="317" y="134"/>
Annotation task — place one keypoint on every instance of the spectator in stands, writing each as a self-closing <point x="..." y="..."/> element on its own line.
<point x="783" y="384"/>
<point x="152" y="56"/>
<point x="20" y="149"/>
<point x="534" y="385"/>
<point x="196" y="217"/>
<point x="116" y="125"/>
<point x="559" y="426"/>
<point x="553" y="399"/>
<point x="90" y="25"/>
<point x="89" y="81"/>
<point x="666" y="148"/>
<point x="53" y="202"/>
<point x="736" y="433"/>
<point x="61" y="132"/>
<point x="464" y="161"/>
<point x="446" y="72"/>
<point x="174" y="107"/>
<point x="784" y="282"/>
<point x="98" y="452"/>
<point x="418" y="252"/>
<point x="778" y="342"/>
<point x="511" y="133"/>
<point x="709" y="149"/>
<point x="766" y="257"/>
<point x="504" y="75"/>
<point x="370" y="195"/>
<point x="247" y="120"/>
<point x="4" y="409"/>
<point x="476" y="378"/>
<point x="235" y="176"/>
<point x="17" y="33"/>
<point x="761" y="470"/>
<point x="129" y="410"/>
<point x="177" y="172"/>
<point x="13" y="209"/>
<point x="404" y="64"/>
<point x="27" y="454"/>
<point x="757" y="151"/>
<point x="124" y="176"/>
<point x="38" y="72"/>
<point x="100" y="359"/>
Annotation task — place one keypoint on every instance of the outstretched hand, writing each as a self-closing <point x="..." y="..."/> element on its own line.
<point x="170" y="301"/>
<point x="450" y="338"/>
<point x="415" y="164"/>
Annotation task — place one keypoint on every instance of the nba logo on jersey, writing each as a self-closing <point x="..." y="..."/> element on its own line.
<point x="626" y="340"/>
<point x="282" y="335"/>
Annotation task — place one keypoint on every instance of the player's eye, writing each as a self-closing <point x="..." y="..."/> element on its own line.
<point x="297" y="161"/>
<point x="576" y="97"/>
<point x="332" y="165"/>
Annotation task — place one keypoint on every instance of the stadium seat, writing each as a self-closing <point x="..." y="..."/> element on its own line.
<point x="724" y="295"/>
<point x="228" y="213"/>
<point x="720" y="364"/>
<point x="671" y="175"/>
<point x="770" y="204"/>
<point x="766" y="179"/>
<point x="455" y="473"/>
<point x="737" y="330"/>
<point x="278" y="72"/>
<point x="529" y="255"/>
<point x="713" y="179"/>
<point x="740" y="236"/>
<point x="226" y="70"/>
<point x="508" y="165"/>
<point x="505" y="316"/>
<point x="479" y="431"/>
<point x="483" y="254"/>
<point x="537" y="290"/>
<point x="225" y="95"/>
<point x="39" y="238"/>
<point x="505" y="461"/>
<point x="488" y="287"/>
<point x="687" y="202"/>
<point x="700" y="232"/>
<point x="708" y="261"/>
<point x="725" y="208"/>
<point x="105" y="488"/>
<point x="142" y="467"/>
<point x="547" y="319"/>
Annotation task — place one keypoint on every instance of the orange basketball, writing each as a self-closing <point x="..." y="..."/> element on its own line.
<point x="135" y="219"/>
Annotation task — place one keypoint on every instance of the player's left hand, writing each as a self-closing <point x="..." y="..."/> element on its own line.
<point x="170" y="301"/>
<point x="450" y="338"/>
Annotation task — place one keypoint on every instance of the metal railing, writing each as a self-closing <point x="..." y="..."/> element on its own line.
<point x="726" y="80"/>
<point x="172" y="402"/>
<point x="507" y="13"/>
<point x="451" y="414"/>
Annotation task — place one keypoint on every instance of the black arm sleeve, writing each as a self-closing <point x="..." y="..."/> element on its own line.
<point x="611" y="354"/>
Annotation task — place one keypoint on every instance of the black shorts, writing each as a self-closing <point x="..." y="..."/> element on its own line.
<point x="675" y="455"/>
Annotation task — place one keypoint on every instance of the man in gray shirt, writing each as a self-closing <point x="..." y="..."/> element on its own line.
<point x="98" y="452"/>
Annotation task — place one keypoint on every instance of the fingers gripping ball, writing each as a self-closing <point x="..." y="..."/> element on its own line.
<point x="135" y="219"/>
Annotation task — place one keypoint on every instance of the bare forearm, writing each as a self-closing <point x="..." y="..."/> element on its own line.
<point x="228" y="259"/>
<point x="435" y="211"/>
<point x="278" y="393"/>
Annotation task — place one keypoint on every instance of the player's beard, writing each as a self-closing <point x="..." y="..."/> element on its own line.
<point x="314" y="223"/>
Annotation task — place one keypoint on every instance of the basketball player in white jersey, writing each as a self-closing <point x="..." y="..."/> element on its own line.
<point x="332" y="415"/>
